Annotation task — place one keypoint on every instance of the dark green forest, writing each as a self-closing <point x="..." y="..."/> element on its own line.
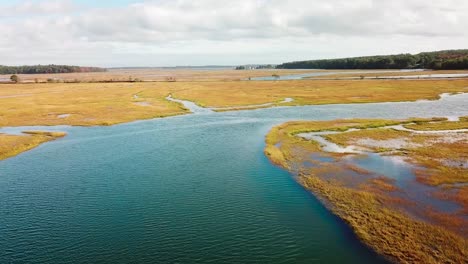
<point x="36" y="69"/>
<point x="437" y="60"/>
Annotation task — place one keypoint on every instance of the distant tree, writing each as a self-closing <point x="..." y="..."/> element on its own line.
<point x="437" y="60"/>
<point x="35" y="69"/>
<point x="14" y="78"/>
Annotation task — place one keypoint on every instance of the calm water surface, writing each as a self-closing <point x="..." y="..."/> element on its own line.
<point x="186" y="189"/>
<point x="301" y="76"/>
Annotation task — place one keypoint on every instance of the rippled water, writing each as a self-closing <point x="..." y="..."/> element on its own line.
<point x="194" y="188"/>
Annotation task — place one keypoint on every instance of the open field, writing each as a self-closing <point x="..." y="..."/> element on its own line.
<point x="11" y="145"/>
<point x="88" y="104"/>
<point x="383" y="74"/>
<point x="83" y="104"/>
<point x="378" y="208"/>
<point x="149" y="74"/>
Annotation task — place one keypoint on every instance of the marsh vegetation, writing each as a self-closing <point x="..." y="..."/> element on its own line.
<point x="12" y="145"/>
<point x="405" y="217"/>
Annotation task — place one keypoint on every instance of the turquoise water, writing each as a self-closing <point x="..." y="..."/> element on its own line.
<point x="186" y="189"/>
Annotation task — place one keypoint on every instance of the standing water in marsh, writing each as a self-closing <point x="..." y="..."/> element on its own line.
<point x="194" y="188"/>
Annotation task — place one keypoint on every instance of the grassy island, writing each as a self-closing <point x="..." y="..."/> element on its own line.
<point x="12" y="145"/>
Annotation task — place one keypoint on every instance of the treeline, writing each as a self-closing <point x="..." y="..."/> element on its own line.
<point x="255" y="67"/>
<point x="437" y="60"/>
<point x="37" y="69"/>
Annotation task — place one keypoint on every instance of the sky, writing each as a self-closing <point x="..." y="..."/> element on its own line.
<point x="121" y="33"/>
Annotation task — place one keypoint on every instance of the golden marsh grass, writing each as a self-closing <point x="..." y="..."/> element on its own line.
<point x="12" y="145"/>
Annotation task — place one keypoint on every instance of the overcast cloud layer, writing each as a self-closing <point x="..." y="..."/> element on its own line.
<point x="207" y="32"/>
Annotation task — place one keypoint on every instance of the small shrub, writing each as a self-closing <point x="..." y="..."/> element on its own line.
<point x="14" y="78"/>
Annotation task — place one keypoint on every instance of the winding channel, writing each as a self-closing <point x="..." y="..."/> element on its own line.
<point x="329" y="146"/>
<point x="183" y="189"/>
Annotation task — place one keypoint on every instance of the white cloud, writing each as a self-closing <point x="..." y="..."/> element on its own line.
<point x="35" y="8"/>
<point x="225" y="32"/>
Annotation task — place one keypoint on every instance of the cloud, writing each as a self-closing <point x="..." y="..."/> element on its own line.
<point x="35" y="8"/>
<point x="184" y="27"/>
<point x="213" y="19"/>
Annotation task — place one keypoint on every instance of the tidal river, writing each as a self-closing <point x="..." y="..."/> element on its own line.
<point x="186" y="189"/>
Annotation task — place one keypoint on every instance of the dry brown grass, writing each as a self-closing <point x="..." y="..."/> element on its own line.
<point x="12" y="145"/>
